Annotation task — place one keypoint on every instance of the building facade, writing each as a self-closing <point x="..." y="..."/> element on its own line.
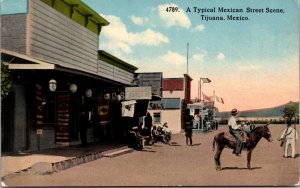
<point x="176" y="94"/>
<point x="51" y="51"/>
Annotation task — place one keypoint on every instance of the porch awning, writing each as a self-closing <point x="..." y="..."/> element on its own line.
<point x="23" y="62"/>
<point x="19" y="61"/>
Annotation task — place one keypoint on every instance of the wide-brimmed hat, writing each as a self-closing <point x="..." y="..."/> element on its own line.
<point x="234" y="111"/>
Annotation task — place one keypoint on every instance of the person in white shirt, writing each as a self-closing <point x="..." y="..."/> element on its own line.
<point x="235" y="130"/>
<point x="289" y="136"/>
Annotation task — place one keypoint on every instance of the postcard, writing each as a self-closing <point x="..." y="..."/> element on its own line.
<point x="150" y="93"/>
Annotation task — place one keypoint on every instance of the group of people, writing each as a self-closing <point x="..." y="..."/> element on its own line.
<point x="149" y="133"/>
<point x="138" y="133"/>
<point x="288" y="136"/>
<point x="208" y="123"/>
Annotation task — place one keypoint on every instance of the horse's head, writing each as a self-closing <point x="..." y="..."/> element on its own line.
<point x="266" y="133"/>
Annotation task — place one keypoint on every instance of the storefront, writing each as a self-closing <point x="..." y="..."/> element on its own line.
<point x="166" y="110"/>
<point x="199" y="114"/>
<point x="44" y="108"/>
<point x="51" y="51"/>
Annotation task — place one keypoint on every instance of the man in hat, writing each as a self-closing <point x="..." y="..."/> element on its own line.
<point x="235" y="130"/>
<point x="148" y="124"/>
<point x="289" y="136"/>
<point x="189" y="130"/>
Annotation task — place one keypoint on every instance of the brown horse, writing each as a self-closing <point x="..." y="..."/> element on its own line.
<point x="252" y="139"/>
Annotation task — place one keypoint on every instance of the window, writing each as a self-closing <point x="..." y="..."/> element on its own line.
<point x="156" y="117"/>
<point x="13" y="7"/>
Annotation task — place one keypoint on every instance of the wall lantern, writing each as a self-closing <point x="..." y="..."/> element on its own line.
<point x="119" y="97"/>
<point x="107" y="96"/>
<point x="88" y="93"/>
<point x="73" y="88"/>
<point x="52" y="85"/>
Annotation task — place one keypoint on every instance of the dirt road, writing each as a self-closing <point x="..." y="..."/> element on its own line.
<point x="178" y="164"/>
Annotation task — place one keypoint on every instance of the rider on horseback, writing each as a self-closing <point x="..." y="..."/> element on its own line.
<point x="235" y="130"/>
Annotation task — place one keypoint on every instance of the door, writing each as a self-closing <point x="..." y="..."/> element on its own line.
<point x="7" y="123"/>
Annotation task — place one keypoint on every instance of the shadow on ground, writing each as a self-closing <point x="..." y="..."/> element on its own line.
<point x="239" y="168"/>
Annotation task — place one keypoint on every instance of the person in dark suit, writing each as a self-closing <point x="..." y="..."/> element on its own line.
<point x="86" y="118"/>
<point x="189" y="132"/>
<point x="148" y="124"/>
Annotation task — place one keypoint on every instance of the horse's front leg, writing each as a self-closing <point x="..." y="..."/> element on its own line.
<point x="217" y="157"/>
<point x="249" y="152"/>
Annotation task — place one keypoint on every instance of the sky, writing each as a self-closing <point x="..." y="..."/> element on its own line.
<point x="252" y="63"/>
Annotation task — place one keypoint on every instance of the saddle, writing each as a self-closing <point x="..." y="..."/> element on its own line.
<point x="230" y="137"/>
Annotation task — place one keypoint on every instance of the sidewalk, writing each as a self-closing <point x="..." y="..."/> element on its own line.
<point x="56" y="159"/>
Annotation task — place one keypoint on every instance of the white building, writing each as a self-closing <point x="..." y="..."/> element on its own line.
<point x="172" y="107"/>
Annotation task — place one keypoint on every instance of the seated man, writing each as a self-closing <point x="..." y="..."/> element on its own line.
<point x="135" y="139"/>
<point x="235" y="130"/>
<point x="155" y="134"/>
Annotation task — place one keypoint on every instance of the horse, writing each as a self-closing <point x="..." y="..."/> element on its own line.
<point x="222" y="139"/>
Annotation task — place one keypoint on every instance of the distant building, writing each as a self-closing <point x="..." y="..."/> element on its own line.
<point x="177" y="87"/>
<point x="152" y="79"/>
<point x="176" y="94"/>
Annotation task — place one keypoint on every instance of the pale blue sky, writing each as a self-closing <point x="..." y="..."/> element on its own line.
<point x="246" y="60"/>
<point x="264" y="36"/>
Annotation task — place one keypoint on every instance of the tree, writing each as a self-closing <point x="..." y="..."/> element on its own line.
<point x="6" y="81"/>
<point x="291" y="111"/>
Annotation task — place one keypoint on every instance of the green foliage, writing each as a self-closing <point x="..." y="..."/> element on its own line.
<point x="6" y="81"/>
<point x="291" y="111"/>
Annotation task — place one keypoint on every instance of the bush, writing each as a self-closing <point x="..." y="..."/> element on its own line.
<point x="6" y="81"/>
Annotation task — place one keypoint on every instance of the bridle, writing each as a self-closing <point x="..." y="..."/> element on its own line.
<point x="264" y="132"/>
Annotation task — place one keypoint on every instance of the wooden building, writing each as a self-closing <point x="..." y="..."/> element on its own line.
<point x="55" y="43"/>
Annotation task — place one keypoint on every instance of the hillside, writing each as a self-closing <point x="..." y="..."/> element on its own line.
<point x="265" y="112"/>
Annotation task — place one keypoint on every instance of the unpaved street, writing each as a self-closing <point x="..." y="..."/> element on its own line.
<point x="178" y="164"/>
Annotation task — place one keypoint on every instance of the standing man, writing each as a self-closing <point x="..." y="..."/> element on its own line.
<point x="289" y="136"/>
<point x="189" y="131"/>
<point x="196" y="121"/>
<point x="86" y="116"/>
<point x="148" y="124"/>
<point x="216" y="124"/>
<point x="235" y="130"/>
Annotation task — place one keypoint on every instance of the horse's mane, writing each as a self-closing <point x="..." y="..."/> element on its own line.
<point x="257" y="127"/>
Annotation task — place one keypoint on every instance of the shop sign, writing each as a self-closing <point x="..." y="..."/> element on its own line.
<point x="62" y="127"/>
<point x="103" y="111"/>
<point x="136" y="93"/>
<point x="39" y="107"/>
<point x="156" y="105"/>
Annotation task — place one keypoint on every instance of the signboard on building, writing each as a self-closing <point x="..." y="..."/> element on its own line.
<point x="62" y="126"/>
<point x="153" y="79"/>
<point x="39" y="108"/>
<point x="137" y="93"/>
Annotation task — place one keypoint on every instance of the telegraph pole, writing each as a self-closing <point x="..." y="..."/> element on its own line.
<point x="187" y="58"/>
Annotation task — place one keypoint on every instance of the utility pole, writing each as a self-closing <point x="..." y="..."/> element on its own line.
<point x="187" y="59"/>
<point x="200" y="88"/>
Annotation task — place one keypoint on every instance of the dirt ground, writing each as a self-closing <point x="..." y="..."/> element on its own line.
<point x="180" y="165"/>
